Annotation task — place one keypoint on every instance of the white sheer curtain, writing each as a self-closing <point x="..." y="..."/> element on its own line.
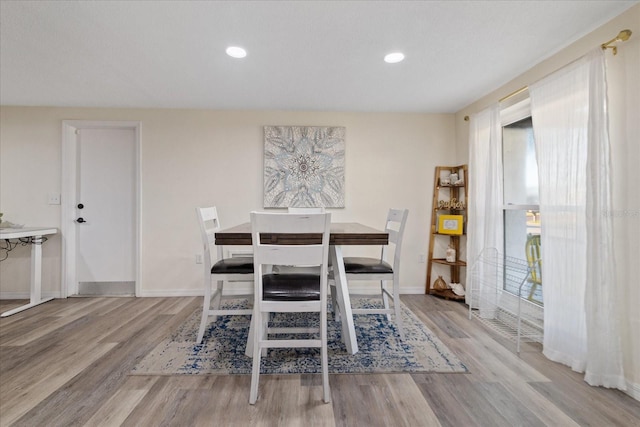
<point x="572" y="146"/>
<point x="484" y="220"/>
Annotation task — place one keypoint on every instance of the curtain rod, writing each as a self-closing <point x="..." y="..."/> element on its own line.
<point x="514" y="93"/>
<point x="622" y="36"/>
<point x="504" y="98"/>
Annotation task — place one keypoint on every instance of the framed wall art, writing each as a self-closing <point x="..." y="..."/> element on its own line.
<point x="304" y="166"/>
<point x="450" y="224"/>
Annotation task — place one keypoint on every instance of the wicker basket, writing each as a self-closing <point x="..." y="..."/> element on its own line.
<point x="440" y="284"/>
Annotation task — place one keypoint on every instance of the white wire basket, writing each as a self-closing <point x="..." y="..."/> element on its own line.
<point x="502" y="311"/>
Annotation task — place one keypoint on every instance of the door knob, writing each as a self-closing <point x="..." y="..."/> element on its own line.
<point x="80" y="220"/>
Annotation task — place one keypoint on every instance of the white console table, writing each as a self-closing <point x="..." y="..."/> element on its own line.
<point x="34" y="234"/>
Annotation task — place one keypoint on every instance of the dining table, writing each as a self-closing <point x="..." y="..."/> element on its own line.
<point x="341" y="234"/>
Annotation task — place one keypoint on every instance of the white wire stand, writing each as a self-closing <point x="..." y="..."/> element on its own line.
<point x="505" y="312"/>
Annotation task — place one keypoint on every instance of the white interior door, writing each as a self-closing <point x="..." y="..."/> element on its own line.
<point x="101" y="232"/>
<point x="106" y="193"/>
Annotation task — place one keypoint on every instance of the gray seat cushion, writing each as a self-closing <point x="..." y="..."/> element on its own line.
<point x="357" y="265"/>
<point x="291" y="287"/>
<point x="236" y="265"/>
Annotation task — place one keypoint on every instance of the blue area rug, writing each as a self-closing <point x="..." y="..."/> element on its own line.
<point x="381" y="349"/>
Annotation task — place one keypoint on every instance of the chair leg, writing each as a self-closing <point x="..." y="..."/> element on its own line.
<point x="250" y="339"/>
<point x="325" y="357"/>
<point x="264" y="331"/>
<point x="397" y="307"/>
<point x="385" y="299"/>
<point x="206" y="304"/>
<point x="217" y="298"/>
<point x="255" y="371"/>
<point x="334" y="303"/>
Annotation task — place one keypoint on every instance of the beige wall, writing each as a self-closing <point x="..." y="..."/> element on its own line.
<point x="197" y="157"/>
<point x="624" y="104"/>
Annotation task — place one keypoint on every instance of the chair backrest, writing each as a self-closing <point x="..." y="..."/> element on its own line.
<point x="284" y="253"/>
<point x="305" y="210"/>
<point x="209" y="224"/>
<point x="395" y="224"/>
<point x="534" y="257"/>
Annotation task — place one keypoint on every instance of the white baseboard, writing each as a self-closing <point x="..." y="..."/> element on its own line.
<point x="412" y="291"/>
<point x="633" y="390"/>
<point x="27" y="295"/>
<point x="191" y="292"/>
<point x="188" y="292"/>
<point x="171" y="293"/>
<point x="244" y="290"/>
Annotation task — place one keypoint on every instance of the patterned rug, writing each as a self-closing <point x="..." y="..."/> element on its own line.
<point x="222" y="350"/>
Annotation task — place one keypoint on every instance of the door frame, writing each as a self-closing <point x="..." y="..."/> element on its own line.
<point x="69" y="197"/>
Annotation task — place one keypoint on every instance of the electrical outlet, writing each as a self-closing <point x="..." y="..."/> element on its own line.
<point x="54" y="198"/>
<point x="198" y="258"/>
<point x="422" y="258"/>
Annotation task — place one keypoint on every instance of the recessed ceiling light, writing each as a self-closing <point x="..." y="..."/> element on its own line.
<point x="394" y="57"/>
<point x="236" y="52"/>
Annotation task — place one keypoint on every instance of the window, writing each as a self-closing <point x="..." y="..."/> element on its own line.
<point x="521" y="201"/>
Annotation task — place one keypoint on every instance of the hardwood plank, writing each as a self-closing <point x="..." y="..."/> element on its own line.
<point x="33" y="316"/>
<point x="507" y="405"/>
<point x="286" y="394"/>
<point x="402" y="401"/>
<point x="443" y="400"/>
<point x="380" y="400"/>
<point x="477" y="405"/>
<point x="56" y="321"/>
<point x="546" y="411"/>
<point x="353" y="400"/>
<point x="140" y="313"/>
<point x="496" y="362"/>
<point x="621" y="408"/>
<point x="572" y="401"/>
<point x="443" y="320"/>
<point x="18" y="398"/>
<point x="117" y="409"/>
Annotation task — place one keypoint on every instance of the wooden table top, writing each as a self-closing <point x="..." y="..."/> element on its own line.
<point x="342" y="233"/>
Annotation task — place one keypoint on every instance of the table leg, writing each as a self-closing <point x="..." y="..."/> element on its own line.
<point x="36" y="269"/>
<point x="344" y="302"/>
<point x="36" y="279"/>
<point x="248" y="351"/>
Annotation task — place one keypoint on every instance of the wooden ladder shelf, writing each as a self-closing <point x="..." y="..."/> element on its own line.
<point x="448" y="226"/>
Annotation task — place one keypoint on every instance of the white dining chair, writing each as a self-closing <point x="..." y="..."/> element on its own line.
<point x="289" y="293"/>
<point x="223" y="270"/>
<point x="370" y="269"/>
<point x="292" y="209"/>
<point x="300" y="269"/>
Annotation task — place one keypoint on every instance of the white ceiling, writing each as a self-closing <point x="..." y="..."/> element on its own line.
<point x="302" y="55"/>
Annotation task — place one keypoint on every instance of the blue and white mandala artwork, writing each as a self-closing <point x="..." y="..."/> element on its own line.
<point x="303" y="166"/>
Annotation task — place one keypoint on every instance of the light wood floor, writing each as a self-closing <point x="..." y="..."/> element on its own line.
<point x="67" y="363"/>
